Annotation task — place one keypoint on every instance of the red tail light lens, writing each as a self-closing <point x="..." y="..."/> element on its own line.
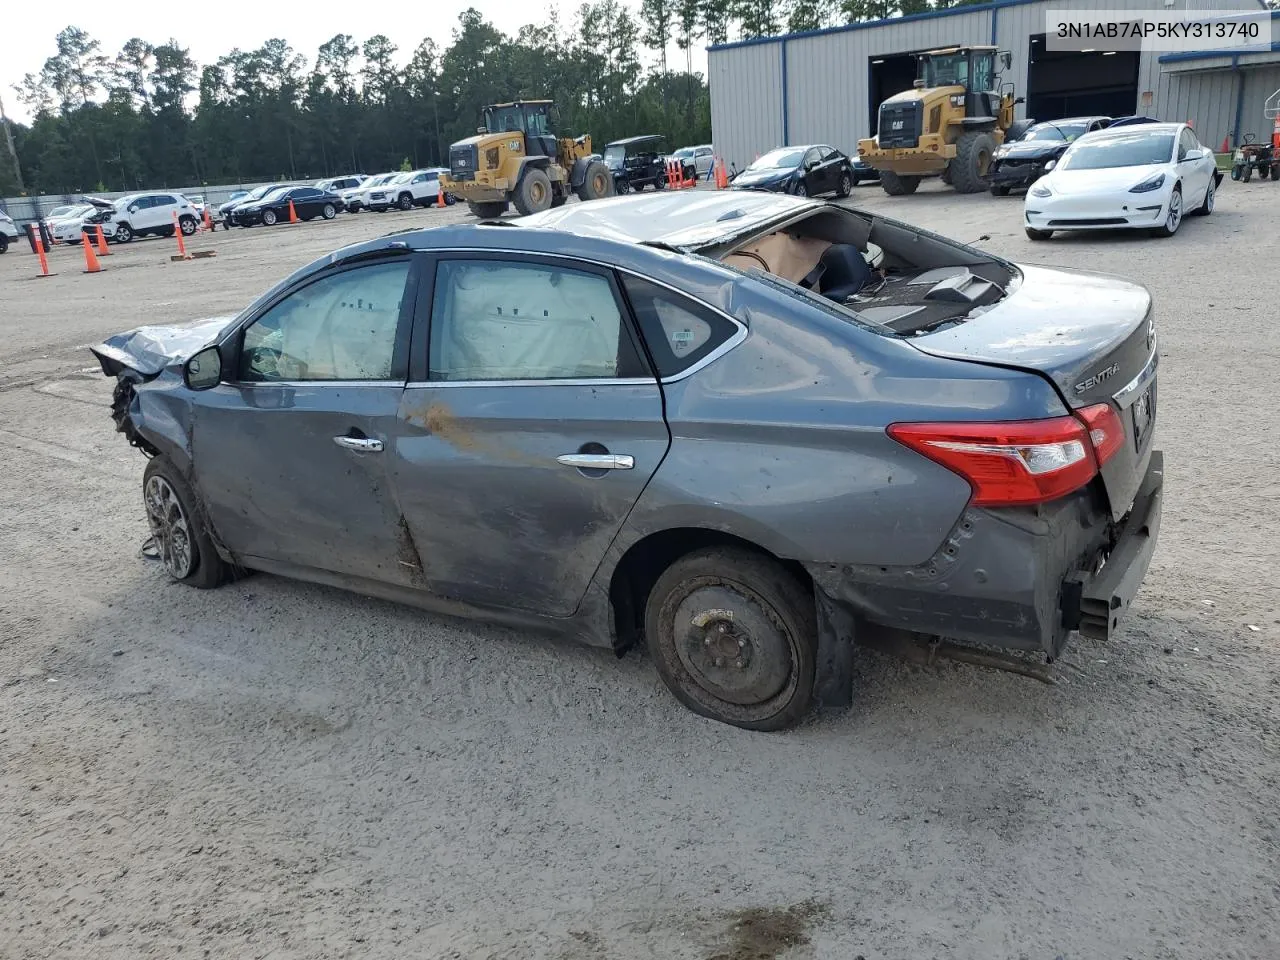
<point x="1106" y="433"/>
<point x="1012" y="463"/>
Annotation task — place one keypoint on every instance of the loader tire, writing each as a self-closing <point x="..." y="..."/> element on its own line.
<point x="898" y="186"/>
<point x="973" y="160"/>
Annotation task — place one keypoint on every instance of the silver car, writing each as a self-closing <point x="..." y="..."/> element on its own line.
<point x="743" y="428"/>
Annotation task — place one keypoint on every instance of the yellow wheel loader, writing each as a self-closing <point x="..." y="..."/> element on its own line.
<point x="948" y="125"/>
<point x="515" y="159"/>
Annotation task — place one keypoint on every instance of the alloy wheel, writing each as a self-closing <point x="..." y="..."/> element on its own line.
<point x="169" y="528"/>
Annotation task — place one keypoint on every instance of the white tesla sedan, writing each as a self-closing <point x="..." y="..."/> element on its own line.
<point x="1128" y="178"/>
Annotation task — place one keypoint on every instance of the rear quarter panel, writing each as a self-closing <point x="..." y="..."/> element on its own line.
<point x="782" y="440"/>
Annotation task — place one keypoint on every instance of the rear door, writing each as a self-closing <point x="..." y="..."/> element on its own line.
<point x="306" y="201"/>
<point x="529" y="429"/>
<point x="291" y="451"/>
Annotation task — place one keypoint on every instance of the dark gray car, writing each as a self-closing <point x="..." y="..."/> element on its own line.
<point x="749" y="429"/>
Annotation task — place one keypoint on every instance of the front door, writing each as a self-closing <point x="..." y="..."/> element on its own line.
<point x="291" y="451"/>
<point x="530" y="434"/>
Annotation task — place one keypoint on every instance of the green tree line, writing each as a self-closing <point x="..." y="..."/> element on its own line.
<point x="150" y="116"/>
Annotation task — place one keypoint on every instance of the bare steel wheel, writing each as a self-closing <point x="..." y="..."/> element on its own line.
<point x="734" y="637"/>
<point x="179" y="529"/>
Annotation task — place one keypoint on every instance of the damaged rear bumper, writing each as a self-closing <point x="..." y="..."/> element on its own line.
<point x="1016" y="579"/>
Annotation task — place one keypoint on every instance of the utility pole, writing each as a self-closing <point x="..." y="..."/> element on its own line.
<point x="13" y="153"/>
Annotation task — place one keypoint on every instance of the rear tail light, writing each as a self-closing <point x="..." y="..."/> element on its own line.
<point x="1023" y="461"/>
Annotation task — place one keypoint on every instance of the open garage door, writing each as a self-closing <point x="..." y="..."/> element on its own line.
<point x="889" y="74"/>
<point x="1073" y="84"/>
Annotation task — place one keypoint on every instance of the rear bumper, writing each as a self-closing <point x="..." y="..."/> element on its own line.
<point x="1017" y="579"/>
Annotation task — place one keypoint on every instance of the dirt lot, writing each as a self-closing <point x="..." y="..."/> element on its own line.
<point x="286" y="771"/>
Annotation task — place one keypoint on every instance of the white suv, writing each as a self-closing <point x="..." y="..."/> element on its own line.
<point x="418" y="188"/>
<point x="8" y="231"/>
<point x="358" y="197"/>
<point x="140" y="214"/>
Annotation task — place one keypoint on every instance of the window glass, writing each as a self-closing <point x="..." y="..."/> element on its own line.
<point x="505" y="320"/>
<point x="678" y="331"/>
<point x="811" y="157"/>
<point x="342" y="327"/>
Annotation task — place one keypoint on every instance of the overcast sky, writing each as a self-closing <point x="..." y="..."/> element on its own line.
<point x="210" y="30"/>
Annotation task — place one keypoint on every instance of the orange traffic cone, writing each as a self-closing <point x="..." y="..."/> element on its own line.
<point x="177" y="232"/>
<point x="722" y="176"/>
<point x="91" y="264"/>
<point x="34" y="236"/>
<point x="439" y="196"/>
<point x="293" y="214"/>
<point x="102" y="241"/>
<point x="208" y="221"/>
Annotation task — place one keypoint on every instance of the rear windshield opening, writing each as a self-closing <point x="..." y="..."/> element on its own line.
<point x="884" y="274"/>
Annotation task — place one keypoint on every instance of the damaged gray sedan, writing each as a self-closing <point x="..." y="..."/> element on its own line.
<point x="748" y="430"/>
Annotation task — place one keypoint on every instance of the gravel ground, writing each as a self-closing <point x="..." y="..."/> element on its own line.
<point x="281" y="770"/>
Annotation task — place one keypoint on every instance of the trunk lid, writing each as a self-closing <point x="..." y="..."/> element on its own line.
<point x="1092" y="336"/>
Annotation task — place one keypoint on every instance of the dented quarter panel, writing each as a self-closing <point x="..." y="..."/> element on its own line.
<point x="782" y="440"/>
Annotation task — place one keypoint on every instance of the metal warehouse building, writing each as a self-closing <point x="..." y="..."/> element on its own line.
<point x="826" y="86"/>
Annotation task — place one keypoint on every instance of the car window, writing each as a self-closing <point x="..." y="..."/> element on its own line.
<point x="506" y="320"/>
<point x="422" y="178"/>
<point x="1183" y="145"/>
<point x="341" y="327"/>
<point x="306" y="193"/>
<point x="678" y="331"/>
<point x="704" y="151"/>
<point x="812" y="156"/>
<point x="827" y="153"/>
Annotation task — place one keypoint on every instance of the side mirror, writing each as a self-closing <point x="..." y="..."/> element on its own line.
<point x="1050" y="165"/>
<point x="133" y="208"/>
<point x="203" y="370"/>
<point x="1019" y="100"/>
<point x="1196" y="154"/>
<point x="1006" y="59"/>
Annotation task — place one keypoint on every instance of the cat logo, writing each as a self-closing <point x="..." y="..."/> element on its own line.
<point x="514" y="146"/>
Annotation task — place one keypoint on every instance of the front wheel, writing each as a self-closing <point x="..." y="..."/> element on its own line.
<point x="533" y="193"/>
<point x="972" y="165"/>
<point x="1172" y="219"/>
<point x="734" y="636"/>
<point x="800" y="190"/>
<point x="123" y="233"/>
<point x="1237" y="171"/>
<point x="4" y="243"/>
<point x="179" y="529"/>
<point x="329" y="211"/>
<point x="405" y="201"/>
<point x="269" y="218"/>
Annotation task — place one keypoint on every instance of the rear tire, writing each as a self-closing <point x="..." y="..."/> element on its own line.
<point x="898" y="186"/>
<point x="734" y="636"/>
<point x="1263" y="171"/>
<point x="179" y="527"/>
<point x="533" y="194"/>
<point x="4" y="243"/>
<point x="329" y="211"/>
<point x="1039" y="234"/>
<point x="973" y="161"/>
<point x="488" y="210"/>
<point x="1210" y="192"/>
<point x="597" y="182"/>
<point x="189" y="225"/>
<point x="1237" y="171"/>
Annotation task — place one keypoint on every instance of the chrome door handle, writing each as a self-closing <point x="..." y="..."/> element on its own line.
<point x="363" y="444"/>
<point x="597" y="461"/>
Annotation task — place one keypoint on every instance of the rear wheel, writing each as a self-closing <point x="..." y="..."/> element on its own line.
<point x="4" y="243"/>
<point x="1263" y="171"/>
<point x="189" y="225"/>
<point x="533" y="195"/>
<point x="1246" y="173"/>
<point x="489" y="210"/>
<point x="329" y="211"/>
<point x="734" y="636"/>
<point x="596" y="183"/>
<point x="1237" y="171"/>
<point x="558" y="196"/>
<point x="897" y="186"/>
<point x="1210" y="193"/>
<point x="179" y="529"/>
<point x="973" y="161"/>
<point x="1039" y="234"/>
<point x="847" y="183"/>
